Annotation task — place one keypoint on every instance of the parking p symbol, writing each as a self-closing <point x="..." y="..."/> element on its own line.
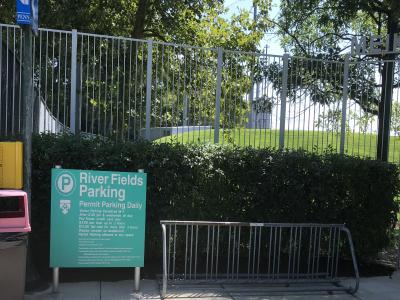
<point x="65" y="183"/>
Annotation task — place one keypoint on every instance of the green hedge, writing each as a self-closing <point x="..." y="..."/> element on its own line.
<point x="211" y="182"/>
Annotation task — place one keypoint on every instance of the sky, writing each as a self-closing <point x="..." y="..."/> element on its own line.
<point x="271" y="40"/>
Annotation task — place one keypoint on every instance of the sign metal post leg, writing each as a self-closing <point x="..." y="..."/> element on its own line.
<point x="56" y="271"/>
<point x="137" y="269"/>
<point x="137" y="279"/>
<point x="55" y="279"/>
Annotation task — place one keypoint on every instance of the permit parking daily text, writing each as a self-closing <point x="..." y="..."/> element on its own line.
<point x="106" y="204"/>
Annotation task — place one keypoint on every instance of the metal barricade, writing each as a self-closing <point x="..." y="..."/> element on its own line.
<point x="308" y="256"/>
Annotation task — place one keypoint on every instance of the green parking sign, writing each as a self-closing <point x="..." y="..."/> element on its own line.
<point x="97" y="218"/>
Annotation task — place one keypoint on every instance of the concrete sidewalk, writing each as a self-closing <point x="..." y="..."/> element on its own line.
<point x="374" y="288"/>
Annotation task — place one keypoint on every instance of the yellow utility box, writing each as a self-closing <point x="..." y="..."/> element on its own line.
<point x="11" y="171"/>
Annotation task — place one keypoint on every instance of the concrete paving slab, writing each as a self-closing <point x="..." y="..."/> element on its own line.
<point x="196" y="291"/>
<point x="374" y="288"/>
<point x="71" y="290"/>
<point x="123" y="290"/>
<point x="304" y="296"/>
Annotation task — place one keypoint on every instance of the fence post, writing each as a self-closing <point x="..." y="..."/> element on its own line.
<point x="185" y="110"/>
<point x="285" y="60"/>
<point x="344" y="102"/>
<point x="218" y="96"/>
<point x="78" y="111"/>
<point x="74" y="61"/>
<point x="251" y="101"/>
<point x="148" y="87"/>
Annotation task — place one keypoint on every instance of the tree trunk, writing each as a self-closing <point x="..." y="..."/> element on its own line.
<point x="385" y="104"/>
<point x="140" y="19"/>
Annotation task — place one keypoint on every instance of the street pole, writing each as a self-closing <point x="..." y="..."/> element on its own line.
<point x="27" y="18"/>
<point x="27" y="100"/>
<point x="32" y="275"/>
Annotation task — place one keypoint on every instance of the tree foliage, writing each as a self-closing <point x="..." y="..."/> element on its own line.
<point x="323" y="30"/>
<point x="197" y="22"/>
<point x="200" y="22"/>
<point x="326" y="27"/>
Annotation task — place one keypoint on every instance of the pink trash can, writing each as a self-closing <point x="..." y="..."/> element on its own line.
<point x="14" y="227"/>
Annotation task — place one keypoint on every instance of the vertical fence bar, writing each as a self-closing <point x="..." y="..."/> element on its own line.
<point x="78" y="110"/>
<point x="74" y="59"/>
<point x="218" y="97"/>
<point x="148" y="87"/>
<point x="185" y="111"/>
<point x="283" y="100"/>
<point x="344" y="102"/>
<point x="252" y="114"/>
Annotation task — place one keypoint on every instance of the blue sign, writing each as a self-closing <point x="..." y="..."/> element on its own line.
<point x="24" y="16"/>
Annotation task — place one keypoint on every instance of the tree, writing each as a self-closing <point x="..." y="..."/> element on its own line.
<point x="363" y="121"/>
<point x="191" y="22"/>
<point x="323" y="29"/>
<point x="330" y="121"/>
<point x="181" y="21"/>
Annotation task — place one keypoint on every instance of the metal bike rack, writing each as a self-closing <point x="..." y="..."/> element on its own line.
<point x="288" y="254"/>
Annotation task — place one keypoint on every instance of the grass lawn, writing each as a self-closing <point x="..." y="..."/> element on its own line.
<point x="363" y="145"/>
